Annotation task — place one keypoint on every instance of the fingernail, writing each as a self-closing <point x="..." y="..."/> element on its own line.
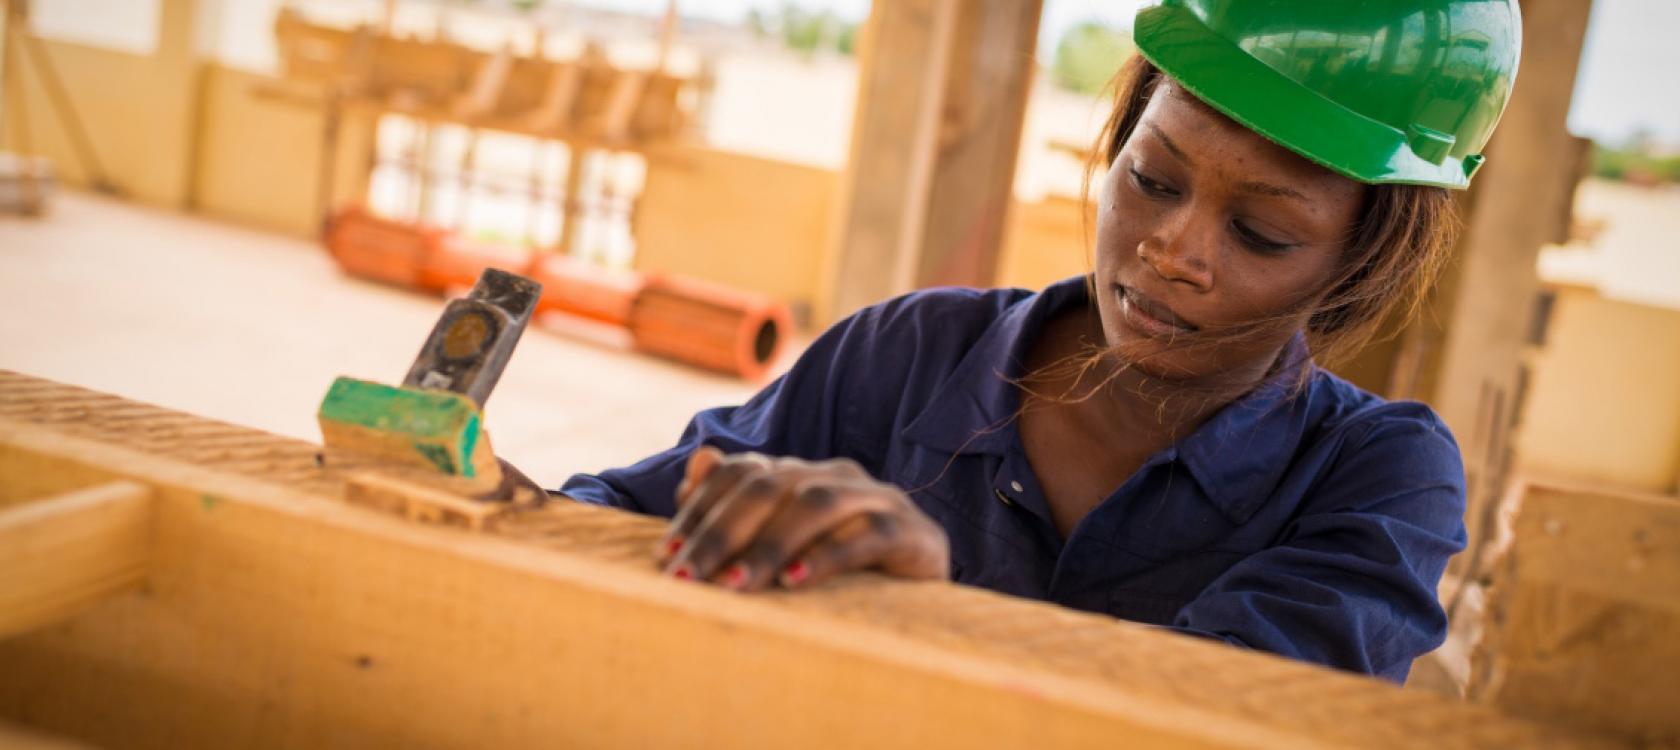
<point x="736" y="576"/>
<point x="683" y="572"/>
<point x="673" y="546"/>
<point x="795" y="573"/>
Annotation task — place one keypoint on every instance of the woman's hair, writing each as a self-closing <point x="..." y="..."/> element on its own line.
<point x="1394" y="252"/>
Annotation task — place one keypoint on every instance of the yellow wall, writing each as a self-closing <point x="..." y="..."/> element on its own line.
<point x="259" y="158"/>
<point x="765" y="225"/>
<point x="138" y="110"/>
<point x="752" y="223"/>
<point x="1604" y="397"/>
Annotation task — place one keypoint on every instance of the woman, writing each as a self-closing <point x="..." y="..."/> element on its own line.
<point x="1155" y="440"/>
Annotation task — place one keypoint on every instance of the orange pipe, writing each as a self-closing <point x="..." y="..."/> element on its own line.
<point x="709" y="325"/>
<point x="697" y="322"/>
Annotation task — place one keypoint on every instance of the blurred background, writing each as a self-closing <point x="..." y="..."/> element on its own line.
<point x="220" y="205"/>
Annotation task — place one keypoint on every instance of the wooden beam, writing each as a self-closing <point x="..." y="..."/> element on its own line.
<point x="19" y="737"/>
<point x="61" y="555"/>
<point x="942" y="98"/>
<point x="279" y="615"/>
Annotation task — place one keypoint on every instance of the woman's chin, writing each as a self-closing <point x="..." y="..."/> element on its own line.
<point x="1154" y="357"/>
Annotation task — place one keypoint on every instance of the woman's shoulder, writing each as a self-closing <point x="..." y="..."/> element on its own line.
<point x="1362" y="421"/>
<point x="1361" y="414"/>
<point x="933" y="323"/>
<point x="962" y="308"/>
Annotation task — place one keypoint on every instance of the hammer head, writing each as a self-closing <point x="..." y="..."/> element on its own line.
<point x="435" y="420"/>
<point x="475" y="336"/>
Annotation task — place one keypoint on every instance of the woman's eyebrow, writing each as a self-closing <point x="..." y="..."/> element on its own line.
<point x="1168" y="142"/>
<point x="1262" y="188"/>
<point x="1266" y="188"/>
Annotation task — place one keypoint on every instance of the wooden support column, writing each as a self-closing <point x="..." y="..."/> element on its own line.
<point x="942" y="97"/>
<point x="65" y="553"/>
<point x="1464" y="354"/>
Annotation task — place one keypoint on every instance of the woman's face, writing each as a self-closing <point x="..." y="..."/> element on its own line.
<point x="1204" y="224"/>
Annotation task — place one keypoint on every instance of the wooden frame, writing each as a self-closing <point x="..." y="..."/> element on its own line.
<point x="1584" y="613"/>
<point x="275" y="614"/>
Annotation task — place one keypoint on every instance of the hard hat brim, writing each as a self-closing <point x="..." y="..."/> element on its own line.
<point x="1246" y="90"/>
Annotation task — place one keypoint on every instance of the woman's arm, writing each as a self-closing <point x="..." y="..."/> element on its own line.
<point x="1351" y="584"/>
<point x="806" y="413"/>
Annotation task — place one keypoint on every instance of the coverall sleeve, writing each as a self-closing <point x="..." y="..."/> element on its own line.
<point x="1352" y="581"/>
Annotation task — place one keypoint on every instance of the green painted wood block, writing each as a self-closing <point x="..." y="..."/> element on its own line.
<point x="438" y="429"/>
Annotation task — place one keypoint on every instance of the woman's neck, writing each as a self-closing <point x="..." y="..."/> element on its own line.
<point x="1112" y="401"/>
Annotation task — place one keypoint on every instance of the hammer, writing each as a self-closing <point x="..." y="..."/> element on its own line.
<point x="434" y="421"/>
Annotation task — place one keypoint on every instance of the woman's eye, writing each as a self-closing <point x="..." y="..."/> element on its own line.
<point x="1256" y="241"/>
<point x="1150" y="186"/>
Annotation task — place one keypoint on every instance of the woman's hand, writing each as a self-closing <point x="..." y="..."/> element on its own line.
<point x="516" y="488"/>
<point x="749" y="520"/>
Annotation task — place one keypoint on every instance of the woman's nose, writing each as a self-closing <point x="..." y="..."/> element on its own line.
<point x="1179" y="251"/>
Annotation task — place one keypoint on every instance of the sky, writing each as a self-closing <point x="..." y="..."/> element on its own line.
<point x="1629" y="79"/>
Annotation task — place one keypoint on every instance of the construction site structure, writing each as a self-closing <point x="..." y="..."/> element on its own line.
<point x="587" y="103"/>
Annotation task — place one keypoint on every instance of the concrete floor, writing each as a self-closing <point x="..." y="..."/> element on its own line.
<point x="249" y="327"/>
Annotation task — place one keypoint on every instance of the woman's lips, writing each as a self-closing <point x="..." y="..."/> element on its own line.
<point x="1149" y="316"/>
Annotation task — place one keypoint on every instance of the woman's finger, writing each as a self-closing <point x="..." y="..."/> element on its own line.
<point x="700" y="465"/>
<point x="813" y="509"/>
<point x="728" y="472"/>
<point x="898" y="544"/>
<point x="860" y="542"/>
<point x="732" y="522"/>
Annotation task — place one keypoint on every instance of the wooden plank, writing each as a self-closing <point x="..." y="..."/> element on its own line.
<point x="1623" y="545"/>
<point x="418" y="502"/>
<point x="278" y="615"/>
<point x="1584" y="612"/>
<point x="18" y="737"/>
<point x="62" y="555"/>
<point x="489" y="77"/>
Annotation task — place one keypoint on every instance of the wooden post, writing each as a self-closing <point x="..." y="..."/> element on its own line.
<point x="1464" y="354"/>
<point x="983" y="116"/>
<point x="942" y="97"/>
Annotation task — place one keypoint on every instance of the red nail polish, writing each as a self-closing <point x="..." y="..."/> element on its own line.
<point x="673" y="546"/>
<point x="683" y="572"/>
<point x="795" y="573"/>
<point x="736" y="576"/>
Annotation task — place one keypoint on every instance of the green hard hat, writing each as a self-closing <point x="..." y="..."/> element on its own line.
<point x="1382" y="91"/>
